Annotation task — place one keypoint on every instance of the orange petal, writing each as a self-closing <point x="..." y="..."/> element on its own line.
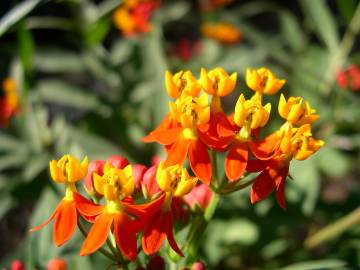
<point x="200" y="161"/>
<point x="168" y="136"/>
<point x="262" y="187"/>
<point x="125" y="236"/>
<point x="53" y="215"/>
<point x="170" y="234"/>
<point x="154" y="234"/>
<point x="264" y="149"/>
<point x="86" y="207"/>
<point x="178" y="152"/>
<point x="236" y="160"/>
<point x="98" y="234"/>
<point x="65" y="222"/>
<point x="280" y="187"/>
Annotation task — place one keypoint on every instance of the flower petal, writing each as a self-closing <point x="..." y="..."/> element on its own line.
<point x="170" y="234"/>
<point x="263" y="185"/>
<point x="236" y="160"/>
<point x="154" y="234"/>
<point x="125" y="236"/>
<point x="65" y="222"/>
<point x="98" y="234"/>
<point x="178" y="151"/>
<point x="265" y="148"/>
<point x="200" y="161"/>
<point x="53" y="215"/>
<point x="280" y="187"/>
<point x="86" y="208"/>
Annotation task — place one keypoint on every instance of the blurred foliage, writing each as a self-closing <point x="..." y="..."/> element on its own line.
<point x="87" y="89"/>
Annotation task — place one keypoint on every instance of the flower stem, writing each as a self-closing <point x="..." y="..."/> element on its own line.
<point x="333" y="230"/>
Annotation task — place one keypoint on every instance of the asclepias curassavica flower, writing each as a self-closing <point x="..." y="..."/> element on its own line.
<point x="123" y="212"/>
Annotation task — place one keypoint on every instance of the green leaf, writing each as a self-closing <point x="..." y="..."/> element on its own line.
<point x="97" y="32"/>
<point x="58" y="61"/>
<point x="241" y="231"/>
<point x="16" y="14"/>
<point x="59" y="92"/>
<point x="316" y="265"/>
<point x="323" y="21"/>
<point x="26" y="47"/>
<point x="35" y="166"/>
<point x="346" y="8"/>
<point x="291" y="31"/>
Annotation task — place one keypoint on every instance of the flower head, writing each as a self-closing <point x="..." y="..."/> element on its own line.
<point x="262" y="80"/>
<point x="190" y="111"/>
<point x="297" y="111"/>
<point x="175" y="180"/>
<point x="249" y="115"/>
<point x="299" y="143"/>
<point x="217" y="81"/>
<point x="181" y="82"/>
<point x="114" y="183"/>
<point x="68" y="169"/>
<point x="57" y="264"/>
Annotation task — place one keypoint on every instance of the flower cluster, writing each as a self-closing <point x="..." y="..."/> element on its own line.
<point x="130" y="202"/>
<point x="194" y="126"/>
<point x="133" y="16"/>
<point x="9" y="103"/>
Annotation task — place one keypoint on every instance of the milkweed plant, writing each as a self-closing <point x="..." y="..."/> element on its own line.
<point x="128" y="209"/>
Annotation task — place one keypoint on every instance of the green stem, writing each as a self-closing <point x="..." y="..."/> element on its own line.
<point x="235" y="187"/>
<point x="214" y="169"/>
<point x="101" y="250"/>
<point x="339" y="56"/>
<point x="333" y="230"/>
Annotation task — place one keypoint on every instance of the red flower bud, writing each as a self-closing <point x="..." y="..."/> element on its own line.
<point x="149" y="184"/>
<point x="118" y="161"/>
<point x="342" y="79"/>
<point x="96" y="166"/>
<point x="198" y="266"/>
<point x="200" y="195"/>
<point x="57" y="264"/>
<point x="138" y="171"/>
<point x="17" y="265"/>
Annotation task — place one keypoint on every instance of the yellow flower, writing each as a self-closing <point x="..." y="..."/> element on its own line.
<point x="250" y="114"/>
<point x="181" y="82"/>
<point x="217" y="81"/>
<point x="296" y="111"/>
<point x="190" y="111"/>
<point x="175" y="180"/>
<point x="222" y="32"/>
<point x="262" y="80"/>
<point x="68" y="169"/>
<point x="298" y="142"/>
<point x="114" y="182"/>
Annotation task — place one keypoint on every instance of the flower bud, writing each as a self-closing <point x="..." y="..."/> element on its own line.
<point x="148" y="183"/>
<point x="57" y="264"/>
<point x="18" y="265"/>
<point x="118" y="161"/>
<point x="200" y="195"/>
<point x="95" y="166"/>
<point x="198" y="266"/>
<point x="138" y="173"/>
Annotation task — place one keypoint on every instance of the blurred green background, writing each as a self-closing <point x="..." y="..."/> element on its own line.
<point x="87" y="89"/>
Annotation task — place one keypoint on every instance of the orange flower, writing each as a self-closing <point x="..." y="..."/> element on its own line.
<point x="295" y="143"/>
<point x="57" y="264"/>
<point x="222" y="32"/>
<point x="250" y="115"/>
<point x="9" y="104"/>
<point x="175" y="182"/>
<point x="219" y="84"/>
<point x="67" y="170"/>
<point x="179" y="131"/>
<point x="133" y="16"/>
